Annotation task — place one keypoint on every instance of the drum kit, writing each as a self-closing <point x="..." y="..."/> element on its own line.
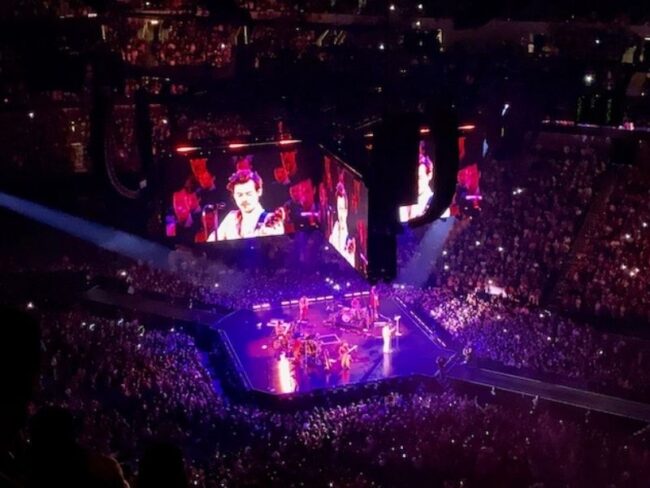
<point x="346" y="315"/>
<point x="351" y="318"/>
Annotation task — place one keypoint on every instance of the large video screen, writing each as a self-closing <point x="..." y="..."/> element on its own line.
<point x="467" y="189"/>
<point x="343" y="201"/>
<point x="425" y="180"/>
<point x="239" y="193"/>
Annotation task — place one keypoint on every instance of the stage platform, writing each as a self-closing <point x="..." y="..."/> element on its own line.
<point x="250" y="339"/>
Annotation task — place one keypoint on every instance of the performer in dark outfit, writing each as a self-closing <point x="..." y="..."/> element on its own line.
<point x="374" y="304"/>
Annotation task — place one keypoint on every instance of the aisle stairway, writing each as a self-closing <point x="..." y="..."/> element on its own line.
<point x="603" y="190"/>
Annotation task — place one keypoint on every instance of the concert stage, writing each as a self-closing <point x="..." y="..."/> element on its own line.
<point x="251" y="340"/>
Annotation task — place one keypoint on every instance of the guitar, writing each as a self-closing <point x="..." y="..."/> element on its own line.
<point x="277" y="217"/>
<point x="349" y="351"/>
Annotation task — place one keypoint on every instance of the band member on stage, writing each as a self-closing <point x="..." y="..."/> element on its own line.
<point x="356" y="309"/>
<point x="280" y="344"/>
<point x="387" y="334"/>
<point x="187" y="208"/>
<point x="467" y="353"/>
<point x="281" y="328"/>
<point x="303" y="307"/>
<point x="326" y="359"/>
<point x="312" y="350"/>
<point x="345" y="355"/>
<point x="374" y="304"/>
<point x="297" y="347"/>
<point x="250" y="219"/>
<point x="359" y="314"/>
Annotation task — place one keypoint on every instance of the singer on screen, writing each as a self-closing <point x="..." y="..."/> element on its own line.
<point x="340" y="237"/>
<point x="425" y="194"/>
<point x="250" y="219"/>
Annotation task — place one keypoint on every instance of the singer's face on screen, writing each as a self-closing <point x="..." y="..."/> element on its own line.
<point x="246" y="196"/>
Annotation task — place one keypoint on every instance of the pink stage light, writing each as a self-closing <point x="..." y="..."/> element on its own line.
<point x="186" y="149"/>
<point x="237" y="145"/>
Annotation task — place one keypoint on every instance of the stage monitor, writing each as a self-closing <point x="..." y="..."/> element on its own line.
<point x="343" y="198"/>
<point x="238" y="191"/>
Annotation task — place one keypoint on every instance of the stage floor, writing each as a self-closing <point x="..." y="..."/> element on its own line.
<point x="252" y="342"/>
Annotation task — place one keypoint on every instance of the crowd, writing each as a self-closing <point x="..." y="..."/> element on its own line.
<point x="536" y="341"/>
<point x="529" y="219"/>
<point x="153" y="85"/>
<point x="59" y="138"/>
<point x="202" y="280"/>
<point x="270" y="41"/>
<point x="129" y="384"/>
<point x="35" y="8"/>
<point x="188" y="43"/>
<point x="160" y="131"/>
<point x="125" y="146"/>
<point x="160" y="43"/>
<point x="126" y="380"/>
<point x="46" y="139"/>
<point x="609" y="277"/>
<point x="211" y="125"/>
<point x="126" y="156"/>
<point x="328" y="6"/>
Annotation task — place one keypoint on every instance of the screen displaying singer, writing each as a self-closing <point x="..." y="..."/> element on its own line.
<point x="250" y="219"/>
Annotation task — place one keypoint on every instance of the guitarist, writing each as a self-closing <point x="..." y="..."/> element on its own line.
<point x="345" y="355"/>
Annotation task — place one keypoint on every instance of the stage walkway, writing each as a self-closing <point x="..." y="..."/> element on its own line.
<point x="151" y="307"/>
<point x="553" y="392"/>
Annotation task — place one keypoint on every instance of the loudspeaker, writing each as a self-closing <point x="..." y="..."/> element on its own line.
<point x="395" y="158"/>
